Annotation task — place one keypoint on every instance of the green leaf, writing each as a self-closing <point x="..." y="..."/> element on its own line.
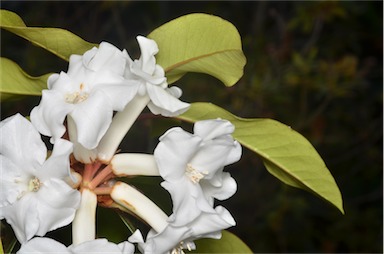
<point x="14" y="81"/>
<point x="58" y="41"/>
<point x="286" y="154"/>
<point x="200" y="43"/>
<point x="229" y="243"/>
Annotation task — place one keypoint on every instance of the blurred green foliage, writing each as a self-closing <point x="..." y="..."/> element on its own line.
<point x="316" y="66"/>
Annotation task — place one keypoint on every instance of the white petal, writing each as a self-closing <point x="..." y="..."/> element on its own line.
<point x="148" y="50"/>
<point x="57" y="205"/>
<point x="80" y="153"/>
<point x="43" y="245"/>
<point x="209" y="223"/>
<point x="120" y="94"/>
<point x="106" y="57"/>
<point x="164" y="103"/>
<point x="21" y="143"/>
<point x="165" y="241"/>
<point x="92" y="118"/>
<point x="210" y="129"/>
<point x="57" y="165"/>
<point x="225" y="190"/>
<point x="174" y="151"/>
<point x="10" y="188"/>
<point x="23" y="217"/>
<point x="97" y="246"/>
<point x="210" y="158"/>
<point x="48" y="117"/>
<point x="188" y="201"/>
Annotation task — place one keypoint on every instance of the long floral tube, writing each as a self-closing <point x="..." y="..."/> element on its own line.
<point x="139" y="204"/>
<point x="121" y="123"/>
<point x="83" y="226"/>
<point x="125" y="164"/>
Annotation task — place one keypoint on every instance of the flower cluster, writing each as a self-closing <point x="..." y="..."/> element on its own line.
<point x="86" y="112"/>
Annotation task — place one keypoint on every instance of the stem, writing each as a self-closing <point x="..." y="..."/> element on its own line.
<point x="126" y="164"/>
<point x="84" y="224"/>
<point x="139" y="204"/>
<point x="121" y="123"/>
<point x="100" y="177"/>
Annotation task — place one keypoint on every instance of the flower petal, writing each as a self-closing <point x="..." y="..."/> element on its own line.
<point x="120" y="94"/>
<point x="213" y="128"/>
<point x="164" y="103"/>
<point x="101" y="245"/>
<point x="57" y="205"/>
<point x="10" y="189"/>
<point x="21" y="143"/>
<point x="148" y="50"/>
<point x="48" y="117"/>
<point x="43" y="245"/>
<point x="57" y="165"/>
<point x="106" y="57"/>
<point x="23" y="217"/>
<point x="174" y="151"/>
<point x="92" y="118"/>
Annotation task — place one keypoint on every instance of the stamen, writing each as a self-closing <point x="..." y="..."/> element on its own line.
<point x="76" y="97"/>
<point x="34" y="184"/>
<point x="194" y="174"/>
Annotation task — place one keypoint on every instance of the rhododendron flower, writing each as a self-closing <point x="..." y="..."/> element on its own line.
<point x="34" y="196"/>
<point x="192" y="167"/>
<point x="173" y="239"/>
<point x="150" y="89"/>
<point x="88" y="93"/>
<point x="47" y="245"/>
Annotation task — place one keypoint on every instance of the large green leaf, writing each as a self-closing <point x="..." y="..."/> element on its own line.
<point x="229" y="243"/>
<point x="14" y="81"/>
<point x="200" y="43"/>
<point x="58" y="41"/>
<point x="286" y="154"/>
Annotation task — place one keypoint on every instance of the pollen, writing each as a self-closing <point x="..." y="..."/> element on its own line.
<point x="34" y="184"/>
<point x="194" y="175"/>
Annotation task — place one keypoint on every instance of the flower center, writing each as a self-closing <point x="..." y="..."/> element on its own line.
<point x="34" y="184"/>
<point x="194" y="175"/>
<point x="76" y="97"/>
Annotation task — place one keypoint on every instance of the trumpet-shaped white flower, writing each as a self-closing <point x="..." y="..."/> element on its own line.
<point x="89" y="92"/>
<point x="173" y="239"/>
<point x="163" y="100"/>
<point x="34" y="197"/>
<point x="192" y="167"/>
<point x="151" y="89"/>
<point x="47" y="245"/>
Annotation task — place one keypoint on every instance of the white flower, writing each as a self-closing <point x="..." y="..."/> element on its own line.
<point x="47" y="245"/>
<point x="88" y="93"/>
<point x="192" y="167"/>
<point x="151" y="89"/>
<point x="34" y="197"/>
<point x="173" y="239"/>
<point x="163" y="100"/>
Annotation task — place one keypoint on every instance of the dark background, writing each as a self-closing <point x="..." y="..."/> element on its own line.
<point x="316" y="66"/>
